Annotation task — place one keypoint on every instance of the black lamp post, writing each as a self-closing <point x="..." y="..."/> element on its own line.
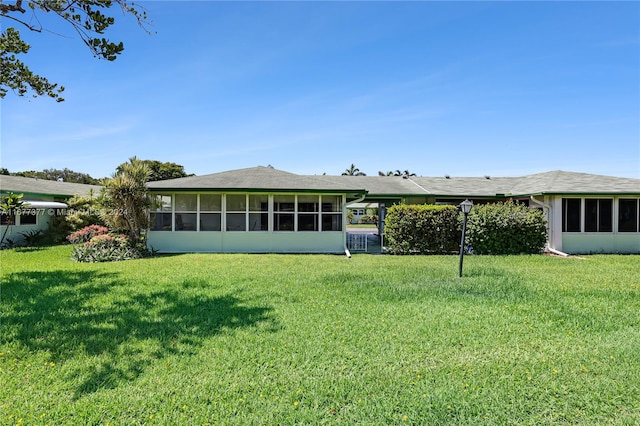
<point x="466" y="207"/>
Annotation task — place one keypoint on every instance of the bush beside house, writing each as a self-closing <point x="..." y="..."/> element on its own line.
<point x="94" y="243"/>
<point x="506" y="228"/>
<point x="499" y="228"/>
<point x="425" y="229"/>
<point x="82" y="212"/>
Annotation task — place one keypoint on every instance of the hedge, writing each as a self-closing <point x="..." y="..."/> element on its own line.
<point x="497" y="228"/>
<point x="506" y="228"/>
<point x="424" y="229"/>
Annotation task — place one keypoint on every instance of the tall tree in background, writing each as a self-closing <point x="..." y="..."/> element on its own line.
<point x="88" y="19"/>
<point x="159" y="170"/>
<point x="127" y="200"/>
<point x="396" y="173"/>
<point x="353" y="171"/>
<point x="64" y="175"/>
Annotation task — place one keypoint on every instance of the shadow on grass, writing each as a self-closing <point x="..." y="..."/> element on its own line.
<point x="112" y="330"/>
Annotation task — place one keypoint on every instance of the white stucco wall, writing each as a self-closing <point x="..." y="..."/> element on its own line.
<point x="15" y="232"/>
<point x="595" y="242"/>
<point x="246" y="242"/>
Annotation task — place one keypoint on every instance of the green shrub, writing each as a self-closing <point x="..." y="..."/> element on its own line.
<point x="425" y="229"/>
<point x="506" y="228"/>
<point x="33" y="238"/>
<point x="82" y="212"/>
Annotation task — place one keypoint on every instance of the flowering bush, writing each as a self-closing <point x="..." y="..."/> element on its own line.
<point x="87" y="233"/>
<point x="94" y="243"/>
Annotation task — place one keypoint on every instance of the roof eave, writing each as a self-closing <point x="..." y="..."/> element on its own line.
<point x="261" y="190"/>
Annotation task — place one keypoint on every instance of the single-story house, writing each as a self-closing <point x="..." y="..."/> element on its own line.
<point x="266" y="210"/>
<point x="252" y="210"/>
<point x="261" y="209"/>
<point x="43" y="200"/>
<point x="586" y="213"/>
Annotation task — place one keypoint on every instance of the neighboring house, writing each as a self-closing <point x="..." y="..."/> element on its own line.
<point x="43" y="199"/>
<point x="362" y="210"/>
<point x="254" y="210"/>
<point x="265" y="210"/>
<point x="586" y="213"/>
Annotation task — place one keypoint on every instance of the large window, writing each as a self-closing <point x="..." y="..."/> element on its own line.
<point x="571" y="214"/>
<point x="210" y="212"/>
<point x="259" y="212"/>
<point x="186" y="212"/>
<point x="236" y="212"/>
<point x="247" y="212"/>
<point x="332" y="213"/>
<point x="308" y="212"/>
<point x="161" y="213"/>
<point x="628" y="220"/>
<point x="284" y="212"/>
<point x="598" y="215"/>
<point x="24" y="216"/>
<point x="28" y="216"/>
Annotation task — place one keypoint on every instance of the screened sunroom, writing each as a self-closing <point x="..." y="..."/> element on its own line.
<point x="229" y="217"/>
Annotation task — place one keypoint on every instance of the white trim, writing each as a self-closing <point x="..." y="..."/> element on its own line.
<point x="44" y="205"/>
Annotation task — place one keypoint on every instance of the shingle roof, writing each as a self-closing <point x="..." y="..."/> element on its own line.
<point x="466" y="186"/>
<point x="257" y="179"/>
<point x="380" y="185"/>
<point x="31" y="186"/>
<point x="266" y="178"/>
<point x="552" y="183"/>
<point x="561" y="182"/>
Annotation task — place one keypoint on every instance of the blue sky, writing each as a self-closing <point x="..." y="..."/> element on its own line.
<point x="459" y="88"/>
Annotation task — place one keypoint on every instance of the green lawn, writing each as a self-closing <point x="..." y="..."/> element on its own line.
<point x="310" y="339"/>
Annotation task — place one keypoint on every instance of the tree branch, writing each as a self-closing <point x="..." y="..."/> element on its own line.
<point x="17" y="7"/>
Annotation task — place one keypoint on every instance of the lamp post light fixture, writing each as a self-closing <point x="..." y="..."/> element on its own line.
<point x="466" y="207"/>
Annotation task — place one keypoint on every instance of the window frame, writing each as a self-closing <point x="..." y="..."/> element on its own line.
<point x="261" y="213"/>
<point x="228" y="213"/>
<point x="600" y="215"/>
<point x="314" y="214"/>
<point x="213" y="212"/>
<point x="569" y="219"/>
<point x="327" y="211"/>
<point x="596" y="215"/>
<point x="178" y="213"/>
<point x="637" y="215"/>
<point x="162" y="212"/>
<point x="31" y="213"/>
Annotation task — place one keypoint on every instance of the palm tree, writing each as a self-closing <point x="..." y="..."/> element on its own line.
<point x="353" y="171"/>
<point x="396" y="173"/>
<point x="127" y="199"/>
